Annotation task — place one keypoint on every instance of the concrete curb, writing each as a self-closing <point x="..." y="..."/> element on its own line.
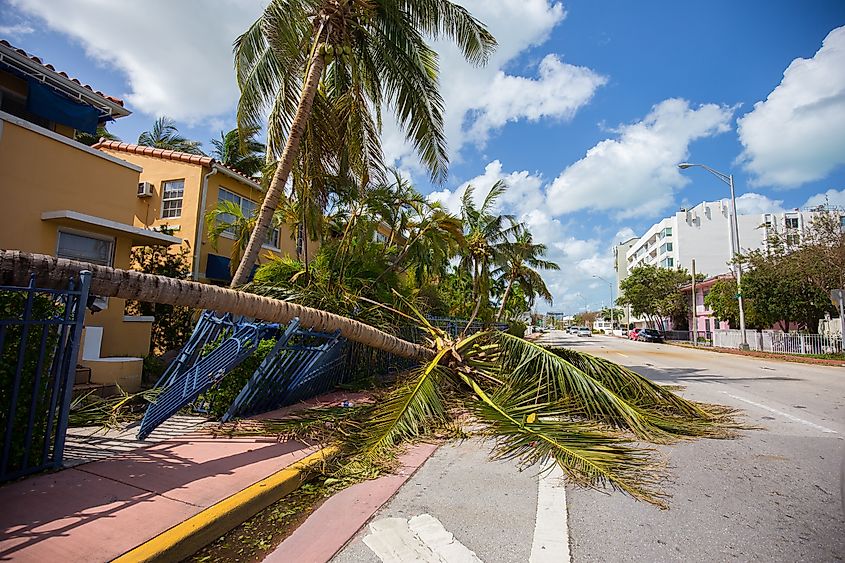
<point x="186" y="538"/>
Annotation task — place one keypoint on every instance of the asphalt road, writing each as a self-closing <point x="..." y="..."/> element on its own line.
<point x="772" y="495"/>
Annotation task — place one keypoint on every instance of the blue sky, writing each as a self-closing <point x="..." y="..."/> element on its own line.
<point x="584" y="110"/>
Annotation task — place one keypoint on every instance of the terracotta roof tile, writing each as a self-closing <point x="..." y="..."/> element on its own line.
<point x="51" y="68"/>
<point x="168" y="155"/>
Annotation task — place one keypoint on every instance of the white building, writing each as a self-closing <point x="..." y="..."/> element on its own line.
<point x="703" y="233"/>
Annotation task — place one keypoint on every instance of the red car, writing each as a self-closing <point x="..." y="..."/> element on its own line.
<point x="632" y="334"/>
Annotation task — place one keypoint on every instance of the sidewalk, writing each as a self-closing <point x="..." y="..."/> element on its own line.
<point x="100" y="510"/>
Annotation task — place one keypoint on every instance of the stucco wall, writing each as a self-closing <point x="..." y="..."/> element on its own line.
<point x="39" y="173"/>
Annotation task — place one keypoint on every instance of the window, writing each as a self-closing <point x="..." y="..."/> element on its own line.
<point x="248" y="208"/>
<point x="792" y="222"/>
<point x="171" y="198"/>
<point x="842" y="223"/>
<point x="793" y="239"/>
<point x="667" y="232"/>
<point x="667" y="263"/>
<point x="666" y="247"/>
<point x="76" y="246"/>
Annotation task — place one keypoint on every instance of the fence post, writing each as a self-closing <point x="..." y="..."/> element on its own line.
<point x="70" y="364"/>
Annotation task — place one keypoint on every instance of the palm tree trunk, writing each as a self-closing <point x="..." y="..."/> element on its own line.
<point x="504" y="300"/>
<point x="280" y="177"/>
<point x="52" y="272"/>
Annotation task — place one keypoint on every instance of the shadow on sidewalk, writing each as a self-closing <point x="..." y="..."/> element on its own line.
<point x="126" y="499"/>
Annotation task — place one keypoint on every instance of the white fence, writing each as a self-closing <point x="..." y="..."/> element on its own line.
<point x="780" y="342"/>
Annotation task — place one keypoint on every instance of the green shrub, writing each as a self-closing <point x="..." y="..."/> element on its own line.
<point x="218" y="399"/>
<point x="30" y="393"/>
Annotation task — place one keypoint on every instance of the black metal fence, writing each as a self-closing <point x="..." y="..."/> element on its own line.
<point x="40" y="331"/>
<point x="701" y="338"/>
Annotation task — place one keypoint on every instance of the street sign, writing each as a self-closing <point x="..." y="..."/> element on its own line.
<point x="837" y="296"/>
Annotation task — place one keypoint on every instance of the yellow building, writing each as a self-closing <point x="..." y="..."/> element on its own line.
<point x="66" y="199"/>
<point x="177" y="191"/>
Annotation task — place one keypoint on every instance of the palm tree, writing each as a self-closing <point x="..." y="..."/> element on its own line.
<point x="228" y="217"/>
<point x="373" y="52"/>
<point x="239" y="149"/>
<point x="486" y="236"/>
<point x="165" y="135"/>
<point x="89" y="139"/>
<point x="584" y="413"/>
<point x="520" y="261"/>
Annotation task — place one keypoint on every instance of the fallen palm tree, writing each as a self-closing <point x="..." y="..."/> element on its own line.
<point x="585" y="413"/>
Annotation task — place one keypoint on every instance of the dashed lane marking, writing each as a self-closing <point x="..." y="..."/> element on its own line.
<point x="551" y="535"/>
<point x="784" y="414"/>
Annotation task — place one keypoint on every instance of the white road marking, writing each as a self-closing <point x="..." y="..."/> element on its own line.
<point x="551" y="535"/>
<point x="422" y="539"/>
<point x="621" y="354"/>
<point x="785" y="415"/>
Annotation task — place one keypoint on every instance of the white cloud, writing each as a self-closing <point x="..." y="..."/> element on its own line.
<point x="755" y="204"/>
<point x="797" y="134"/>
<point x="623" y="234"/>
<point x="832" y="197"/>
<point x="16" y="30"/>
<point x="480" y="100"/>
<point x="636" y="173"/>
<point x="559" y="91"/>
<point x="177" y="56"/>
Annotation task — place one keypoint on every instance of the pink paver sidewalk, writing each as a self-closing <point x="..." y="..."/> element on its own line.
<point x="338" y="519"/>
<point x="98" y="511"/>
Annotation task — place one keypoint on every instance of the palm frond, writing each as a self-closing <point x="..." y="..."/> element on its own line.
<point x="590" y="455"/>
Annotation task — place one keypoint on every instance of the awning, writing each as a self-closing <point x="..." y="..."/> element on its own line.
<point x="45" y="102"/>
<point x="138" y="235"/>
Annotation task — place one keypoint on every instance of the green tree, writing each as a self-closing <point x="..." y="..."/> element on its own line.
<point x="780" y="292"/>
<point x="373" y="51"/>
<point x="239" y="149"/>
<point x="165" y="135"/>
<point x="172" y="325"/>
<point x="519" y="263"/>
<point x="656" y="294"/>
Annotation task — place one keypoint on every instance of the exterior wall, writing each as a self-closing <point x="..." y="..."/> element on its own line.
<point x="148" y="210"/>
<point x="620" y="255"/>
<point x="703" y="233"/>
<point x="39" y="173"/>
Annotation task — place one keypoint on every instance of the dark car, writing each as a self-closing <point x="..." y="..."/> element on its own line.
<point x="649" y="335"/>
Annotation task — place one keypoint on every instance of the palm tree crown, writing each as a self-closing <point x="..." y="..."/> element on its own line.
<point x="239" y="149"/>
<point x="165" y="135"/>
<point x="373" y="53"/>
<point x="519" y="263"/>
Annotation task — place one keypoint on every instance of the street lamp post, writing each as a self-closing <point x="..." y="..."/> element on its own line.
<point x="611" y="299"/>
<point x="735" y="248"/>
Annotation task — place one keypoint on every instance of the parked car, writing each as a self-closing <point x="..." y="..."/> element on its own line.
<point x="632" y="334"/>
<point x="572" y="330"/>
<point x="584" y="331"/>
<point x="649" y="335"/>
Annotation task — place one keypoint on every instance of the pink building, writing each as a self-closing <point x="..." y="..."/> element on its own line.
<point x="704" y="318"/>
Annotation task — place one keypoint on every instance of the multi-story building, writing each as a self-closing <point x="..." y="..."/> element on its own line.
<point x="702" y="233"/>
<point x="178" y="190"/>
<point x="69" y="200"/>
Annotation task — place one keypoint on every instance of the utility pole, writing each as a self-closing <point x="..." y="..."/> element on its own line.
<point x="694" y="309"/>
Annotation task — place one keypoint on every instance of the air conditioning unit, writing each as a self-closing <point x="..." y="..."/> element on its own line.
<point x="145" y="189"/>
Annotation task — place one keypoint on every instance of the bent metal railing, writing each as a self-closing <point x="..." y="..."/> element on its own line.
<point x="217" y="346"/>
<point x="303" y="363"/>
<point x="39" y="341"/>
